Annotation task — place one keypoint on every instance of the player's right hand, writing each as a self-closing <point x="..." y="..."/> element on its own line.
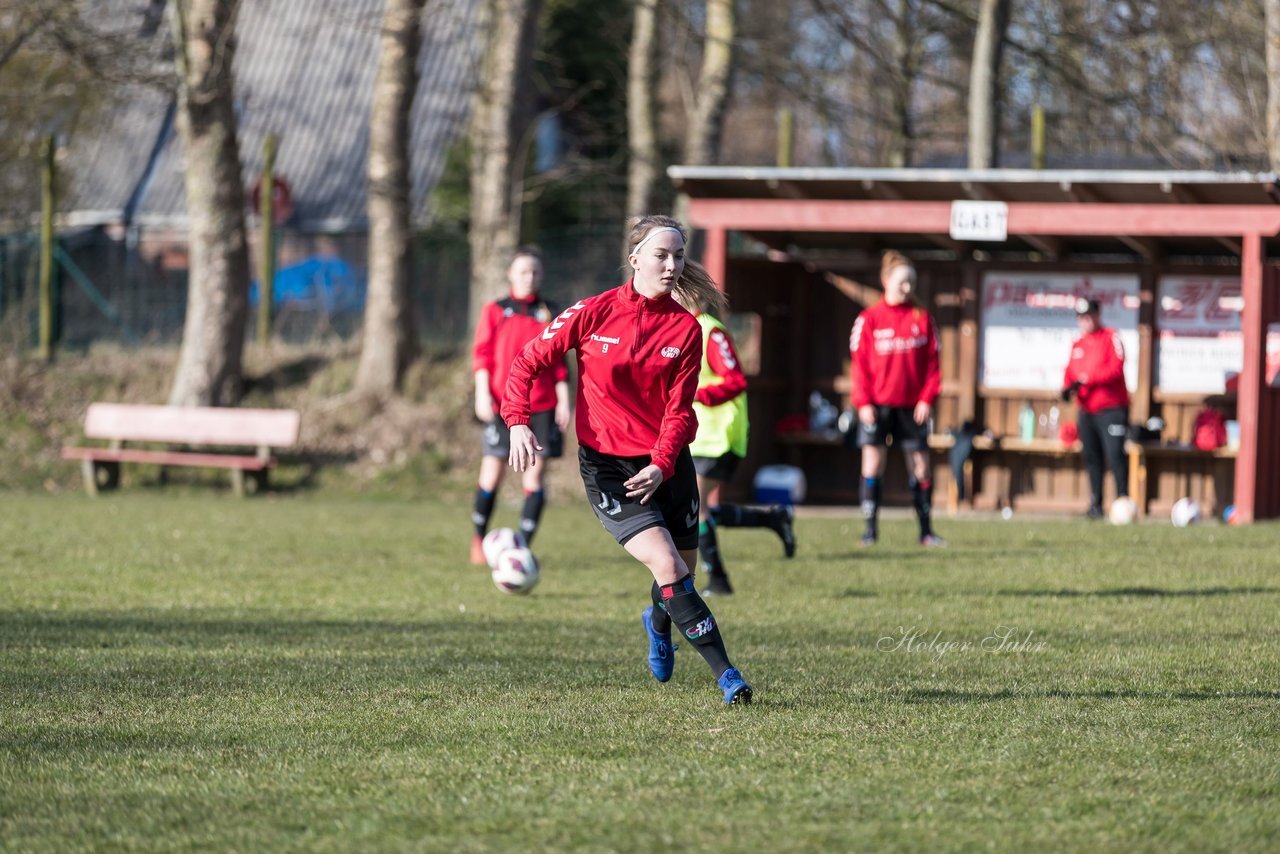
<point x="867" y="415"/>
<point x="484" y="408"/>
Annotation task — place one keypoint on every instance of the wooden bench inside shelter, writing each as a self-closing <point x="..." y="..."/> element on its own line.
<point x="239" y="440"/>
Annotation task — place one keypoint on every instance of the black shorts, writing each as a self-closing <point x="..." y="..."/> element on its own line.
<point x="674" y="504"/>
<point x="497" y="438"/>
<point x="717" y="468"/>
<point x="898" y="422"/>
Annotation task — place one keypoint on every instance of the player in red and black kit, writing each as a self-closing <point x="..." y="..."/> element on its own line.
<point x="895" y="374"/>
<point x="1095" y="377"/>
<point x="639" y="353"/>
<point x="505" y="326"/>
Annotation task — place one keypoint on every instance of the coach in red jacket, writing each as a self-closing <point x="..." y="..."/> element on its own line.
<point x="895" y="378"/>
<point x="1095" y="377"/>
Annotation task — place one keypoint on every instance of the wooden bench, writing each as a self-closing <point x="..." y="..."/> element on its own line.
<point x="207" y="428"/>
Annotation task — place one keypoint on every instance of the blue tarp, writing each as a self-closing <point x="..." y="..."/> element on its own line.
<point x="324" y="284"/>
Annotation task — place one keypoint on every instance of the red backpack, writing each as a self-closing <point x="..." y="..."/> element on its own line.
<point x="1209" y="431"/>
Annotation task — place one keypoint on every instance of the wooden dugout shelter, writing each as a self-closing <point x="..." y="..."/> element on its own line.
<point x="1157" y="239"/>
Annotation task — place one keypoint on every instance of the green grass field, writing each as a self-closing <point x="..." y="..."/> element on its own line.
<point x="181" y="670"/>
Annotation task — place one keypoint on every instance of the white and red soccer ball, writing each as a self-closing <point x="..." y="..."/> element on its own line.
<point x="516" y="571"/>
<point x="498" y="541"/>
<point x="512" y="565"/>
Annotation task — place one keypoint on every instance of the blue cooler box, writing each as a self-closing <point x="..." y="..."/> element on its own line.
<point x="780" y="485"/>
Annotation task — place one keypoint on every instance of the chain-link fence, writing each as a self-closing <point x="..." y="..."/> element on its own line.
<point x="133" y="291"/>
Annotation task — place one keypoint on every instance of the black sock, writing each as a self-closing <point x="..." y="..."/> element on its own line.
<point x="481" y="511"/>
<point x="531" y="514"/>
<point x="741" y="516"/>
<point x="870" y="494"/>
<point x="696" y="623"/>
<point x="922" y="500"/>
<point x="708" y="547"/>
<point x="661" y="620"/>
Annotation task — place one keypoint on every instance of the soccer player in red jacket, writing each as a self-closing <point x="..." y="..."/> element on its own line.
<point x="505" y="326"/>
<point x="895" y="374"/>
<point x="639" y="353"/>
<point x="1095" y="377"/>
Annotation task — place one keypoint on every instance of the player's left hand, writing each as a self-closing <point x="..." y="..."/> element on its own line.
<point x="644" y="483"/>
<point x="563" y="415"/>
<point x="524" y="447"/>
<point x="922" y="412"/>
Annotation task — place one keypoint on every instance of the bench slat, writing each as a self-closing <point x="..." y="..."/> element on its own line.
<point x="197" y="425"/>
<point x="168" y="458"/>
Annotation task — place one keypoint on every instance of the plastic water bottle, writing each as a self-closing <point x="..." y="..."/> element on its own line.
<point x="1027" y="422"/>
<point x="815" y="411"/>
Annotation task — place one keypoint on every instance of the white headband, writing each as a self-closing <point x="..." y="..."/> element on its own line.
<point x="654" y="234"/>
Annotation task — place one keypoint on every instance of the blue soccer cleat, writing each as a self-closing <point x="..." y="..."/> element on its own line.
<point x="662" y="654"/>
<point x="736" y="690"/>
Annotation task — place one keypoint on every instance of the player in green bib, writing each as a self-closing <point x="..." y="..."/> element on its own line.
<point x="721" y="444"/>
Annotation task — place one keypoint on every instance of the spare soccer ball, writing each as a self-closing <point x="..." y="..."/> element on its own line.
<point x="1186" y="511"/>
<point x="498" y="541"/>
<point x="1123" y="511"/>
<point x="516" y="571"/>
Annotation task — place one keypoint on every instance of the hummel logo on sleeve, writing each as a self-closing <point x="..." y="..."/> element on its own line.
<point x="550" y="331"/>
<point x="726" y="352"/>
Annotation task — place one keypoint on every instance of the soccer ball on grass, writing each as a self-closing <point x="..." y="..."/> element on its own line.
<point x="1186" y="511"/>
<point x="516" y="571"/>
<point x="1123" y="511"/>
<point x="500" y="540"/>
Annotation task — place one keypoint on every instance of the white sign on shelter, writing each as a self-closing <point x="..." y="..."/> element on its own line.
<point x="1201" y="346"/>
<point x="980" y="221"/>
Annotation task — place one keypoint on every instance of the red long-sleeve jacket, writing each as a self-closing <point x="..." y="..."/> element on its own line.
<point x="1097" y="363"/>
<point x="505" y="326"/>
<point x="638" y="362"/>
<point x="722" y="360"/>
<point x="894" y="350"/>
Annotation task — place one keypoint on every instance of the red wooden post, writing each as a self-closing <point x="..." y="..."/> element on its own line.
<point x="1252" y="375"/>
<point x="715" y="256"/>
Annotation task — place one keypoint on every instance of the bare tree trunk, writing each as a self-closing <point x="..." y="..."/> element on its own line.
<point x="500" y="121"/>
<point x="388" y="343"/>
<point x="209" y="365"/>
<point x="642" y="166"/>
<point x="984" y="84"/>
<point x="706" y="121"/>
<point x="901" y="134"/>
<point x="1272" y="10"/>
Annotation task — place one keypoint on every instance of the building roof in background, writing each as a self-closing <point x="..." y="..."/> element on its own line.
<point x="305" y="72"/>
<point x="736" y="189"/>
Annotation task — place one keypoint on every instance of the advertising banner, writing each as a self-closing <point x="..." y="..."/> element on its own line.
<point x="1028" y="323"/>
